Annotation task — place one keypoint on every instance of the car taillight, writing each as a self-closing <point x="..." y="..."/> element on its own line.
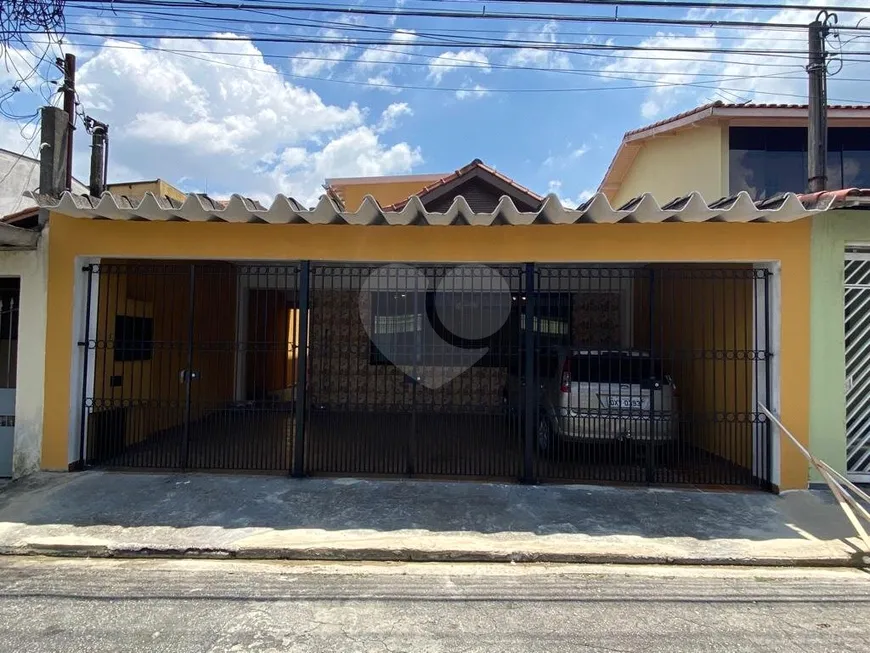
<point x="566" y="376"/>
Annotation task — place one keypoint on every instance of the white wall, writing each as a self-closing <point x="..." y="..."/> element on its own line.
<point x="30" y="266"/>
<point x="18" y="174"/>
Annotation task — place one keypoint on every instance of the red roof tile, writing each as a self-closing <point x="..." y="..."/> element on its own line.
<point x="841" y="198"/>
<point x="724" y="105"/>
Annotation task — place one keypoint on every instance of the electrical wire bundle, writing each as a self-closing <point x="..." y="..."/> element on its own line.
<point x="18" y="17"/>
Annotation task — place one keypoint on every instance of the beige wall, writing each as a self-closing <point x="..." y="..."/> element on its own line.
<point x="158" y="187"/>
<point x="385" y="191"/>
<point x="673" y="165"/>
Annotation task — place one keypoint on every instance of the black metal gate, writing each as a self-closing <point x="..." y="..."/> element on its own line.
<point x="408" y="365"/>
<point x="651" y="374"/>
<point x="190" y="365"/>
<point x="643" y="373"/>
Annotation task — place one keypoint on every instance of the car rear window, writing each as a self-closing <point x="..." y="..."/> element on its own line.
<point x="614" y="368"/>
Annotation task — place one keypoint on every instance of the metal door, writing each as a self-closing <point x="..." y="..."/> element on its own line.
<point x="8" y="365"/>
<point x="857" y="332"/>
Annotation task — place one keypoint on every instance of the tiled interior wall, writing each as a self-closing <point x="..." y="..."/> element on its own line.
<point x="341" y="372"/>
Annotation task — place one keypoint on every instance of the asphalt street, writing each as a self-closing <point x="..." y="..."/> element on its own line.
<point x="191" y="606"/>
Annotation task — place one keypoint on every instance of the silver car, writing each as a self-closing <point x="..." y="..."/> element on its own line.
<point x="599" y="396"/>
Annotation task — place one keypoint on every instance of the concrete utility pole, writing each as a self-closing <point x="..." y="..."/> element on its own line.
<point x="817" y="132"/>
<point x="68" y="65"/>
<point x="53" y="152"/>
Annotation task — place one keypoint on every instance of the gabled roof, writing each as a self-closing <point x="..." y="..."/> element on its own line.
<point x="795" y="114"/>
<point x="477" y="169"/>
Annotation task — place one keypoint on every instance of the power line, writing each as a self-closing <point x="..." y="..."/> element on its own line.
<point x="432" y="61"/>
<point x="347" y="27"/>
<point x="515" y="45"/>
<point x="641" y="84"/>
<point x="669" y="4"/>
<point x="426" y="13"/>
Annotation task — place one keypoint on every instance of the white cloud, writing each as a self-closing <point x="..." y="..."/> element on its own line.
<point x="566" y="158"/>
<point x="315" y="62"/>
<point x="384" y="57"/>
<point x="463" y="59"/>
<point x="686" y="79"/>
<point x="356" y="153"/>
<point x="205" y="121"/>
<point x="664" y="67"/>
<point x="555" y="187"/>
<point x="383" y="83"/>
<point x="473" y="92"/>
<point x="391" y="115"/>
<point x="547" y="35"/>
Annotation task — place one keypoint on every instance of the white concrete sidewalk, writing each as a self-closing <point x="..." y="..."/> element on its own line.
<point x="102" y="514"/>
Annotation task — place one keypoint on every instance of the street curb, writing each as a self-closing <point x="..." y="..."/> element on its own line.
<point x="335" y="554"/>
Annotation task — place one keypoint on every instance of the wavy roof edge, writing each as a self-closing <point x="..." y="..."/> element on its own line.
<point x="283" y="210"/>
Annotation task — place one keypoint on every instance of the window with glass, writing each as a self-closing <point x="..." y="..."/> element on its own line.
<point x="766" y="161"/>
<point x="428" y="328"/>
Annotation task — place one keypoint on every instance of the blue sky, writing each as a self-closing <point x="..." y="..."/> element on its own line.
<point x="259" y="118"/>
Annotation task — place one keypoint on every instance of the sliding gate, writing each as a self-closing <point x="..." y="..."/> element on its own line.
<point x="408" y="367"/>
<point x="642" y="373"/>
<point x="190" y="365"/>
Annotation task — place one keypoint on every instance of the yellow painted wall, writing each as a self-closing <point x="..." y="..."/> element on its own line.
<point x="787" y="243"/>
<point x="671" y="166"/>
<point x="385" y="192"/>
<point x="138" y="188"/>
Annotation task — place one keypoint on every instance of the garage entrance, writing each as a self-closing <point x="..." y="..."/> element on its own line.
<point x="190" y="365"/>
<point x="642" y="373"/>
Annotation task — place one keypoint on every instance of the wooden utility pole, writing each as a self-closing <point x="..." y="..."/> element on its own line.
<point x="69" y="106"/>
<point x="817" y="133"/>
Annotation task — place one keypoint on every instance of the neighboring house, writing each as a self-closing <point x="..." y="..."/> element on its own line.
<point x="720" y="150"/>
<point x="381" y="340"/>
<point x="135" y="190"/>
<point x="349" y="192"/>
<point x="23" y="289"/>
<point x="20" y="173"/>
<point x="480" y="185"/>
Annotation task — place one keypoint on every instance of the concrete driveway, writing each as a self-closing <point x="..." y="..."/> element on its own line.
<point x="132" y="514"/>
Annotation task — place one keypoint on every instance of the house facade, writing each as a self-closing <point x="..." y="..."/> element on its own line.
<point x="409" y="337"/>
<point x="721" y="150"/>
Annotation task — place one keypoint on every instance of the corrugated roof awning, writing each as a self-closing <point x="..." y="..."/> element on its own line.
<point x="284" y="210"/>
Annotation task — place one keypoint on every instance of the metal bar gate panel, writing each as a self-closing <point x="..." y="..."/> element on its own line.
<point x="652" y="373"/>
<point x="191" y="365"/>
<point x="857" y="333"/>
<point x="408" y="365"/>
